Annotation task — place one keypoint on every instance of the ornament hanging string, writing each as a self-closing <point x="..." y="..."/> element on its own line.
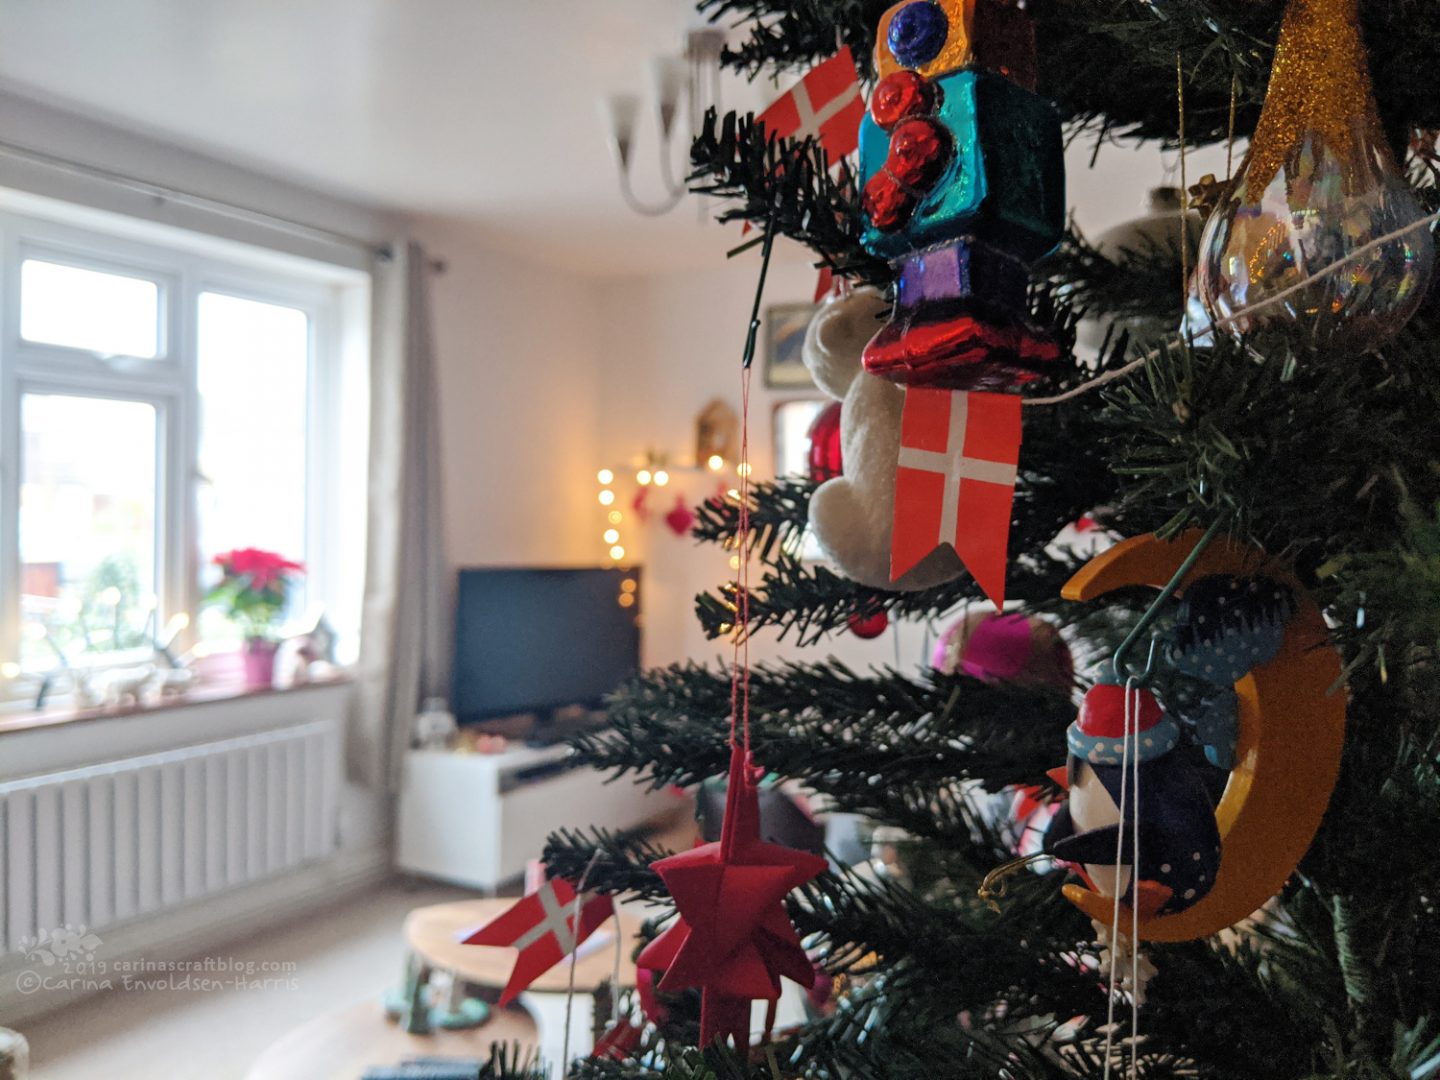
<point x="1184" y="186"/>
<point x="1115" y="915"/>
<point x="740" y="665"/>
<point x="573" y="929"/>
<point x="1239" y="314"/>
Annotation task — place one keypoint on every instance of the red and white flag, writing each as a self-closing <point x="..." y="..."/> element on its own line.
<point x="542" y="926"/>
<point x="826" y="104"/>
<point x="955" y="481"/>
<point x="619" y="1042"/>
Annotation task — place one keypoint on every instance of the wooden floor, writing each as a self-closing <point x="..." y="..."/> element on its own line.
<point x="347" y="957"/>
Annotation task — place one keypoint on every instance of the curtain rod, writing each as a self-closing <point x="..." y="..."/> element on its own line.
<point x="165" y="193"/>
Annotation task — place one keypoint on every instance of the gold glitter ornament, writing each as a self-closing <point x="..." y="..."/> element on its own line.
<point x="1319" y="183"/>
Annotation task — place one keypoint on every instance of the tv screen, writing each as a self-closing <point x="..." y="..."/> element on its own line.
<point x="530" y="641"/>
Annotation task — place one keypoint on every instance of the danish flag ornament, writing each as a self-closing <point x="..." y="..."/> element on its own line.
<point x="826" y="105"/>
<point x="955" y="481"/>
<point x="543" y="927"/>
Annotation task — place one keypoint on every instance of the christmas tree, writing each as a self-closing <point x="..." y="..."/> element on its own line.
<point x="1321" y="448"/>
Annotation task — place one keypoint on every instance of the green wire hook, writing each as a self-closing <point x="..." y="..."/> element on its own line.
<point x="1122" y="654"/>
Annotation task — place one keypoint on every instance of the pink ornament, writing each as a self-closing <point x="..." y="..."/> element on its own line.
<point x="681" y="519"/>
<point x="1006" y="648"/>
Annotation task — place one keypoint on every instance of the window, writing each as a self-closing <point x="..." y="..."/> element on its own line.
<point x="164" y="404"/>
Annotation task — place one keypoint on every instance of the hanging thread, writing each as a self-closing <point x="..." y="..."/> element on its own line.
<point x="1235" y="316"/>
<point x="573" y="930"/>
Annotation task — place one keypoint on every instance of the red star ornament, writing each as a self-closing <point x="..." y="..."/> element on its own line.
<point x="733" y="939"/>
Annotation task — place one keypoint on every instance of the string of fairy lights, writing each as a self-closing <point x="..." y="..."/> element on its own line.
<point x="654" y="473"/>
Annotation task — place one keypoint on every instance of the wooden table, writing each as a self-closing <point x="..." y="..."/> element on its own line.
<point x="433" y="935"/>
<point x="343" y="1044"/>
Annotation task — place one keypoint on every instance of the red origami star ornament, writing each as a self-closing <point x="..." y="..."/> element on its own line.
<point x="733" y="939"/>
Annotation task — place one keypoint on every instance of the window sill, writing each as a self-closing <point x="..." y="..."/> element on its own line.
<point x="214" y="693"/>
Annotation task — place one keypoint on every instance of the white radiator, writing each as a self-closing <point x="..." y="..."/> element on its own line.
<point x="107" y="843"/>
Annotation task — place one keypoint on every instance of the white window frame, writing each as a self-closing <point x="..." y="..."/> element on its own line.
<point x="332" y="304"/>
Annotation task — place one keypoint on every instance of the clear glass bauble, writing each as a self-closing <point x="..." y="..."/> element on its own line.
<point x="1320" y="208"/>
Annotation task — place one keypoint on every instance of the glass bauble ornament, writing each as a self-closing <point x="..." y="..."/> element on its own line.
<point x="1320" y="182"/>
<point x="826" y="456"/>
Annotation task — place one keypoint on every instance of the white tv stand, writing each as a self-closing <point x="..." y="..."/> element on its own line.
<point x="477" y="819"/>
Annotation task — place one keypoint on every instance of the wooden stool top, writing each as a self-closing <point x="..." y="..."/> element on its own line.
<point x="434" y="933"/>
<point x="341" y="1045"/>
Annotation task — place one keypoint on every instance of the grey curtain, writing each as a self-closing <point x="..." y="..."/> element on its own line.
<point x="404" y="641"/>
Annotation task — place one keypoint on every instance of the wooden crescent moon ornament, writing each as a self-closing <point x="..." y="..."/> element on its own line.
<point x="1287" y="757"/>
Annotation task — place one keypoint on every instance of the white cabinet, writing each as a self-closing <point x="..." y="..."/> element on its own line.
<point x="477" y="819"/>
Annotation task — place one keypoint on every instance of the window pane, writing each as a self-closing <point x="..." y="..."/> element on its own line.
<point x="87" y="525"/>
<point x="108" y="314"/>
<point x="254" y="374"/>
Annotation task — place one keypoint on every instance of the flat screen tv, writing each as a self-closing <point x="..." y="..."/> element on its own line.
<point x="533" y="641"/>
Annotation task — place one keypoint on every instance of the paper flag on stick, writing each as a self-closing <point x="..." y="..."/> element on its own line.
<point x="955" y="481"/>
<point x="826" y="105"/>
<point x="619" y="1042"/>
<point x="542" y="926"/>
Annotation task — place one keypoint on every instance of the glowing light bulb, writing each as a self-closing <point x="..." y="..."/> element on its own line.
<point x="10" y="670"/>
<point x="734" y="562"/>
<point x="606" y="497"/>
<point x="643" y="477"/>
<point x="110" y="596"/>
<point x="1320" y="183"/>
<point x="743" y="468"/>
<point x="605" y="476"/>
<point x="626" y="599"/>
<point x="612" y="536"/>
<point x="616" y="517"/>
<point x="617" y="553"/>
<point x="628" y="585"/>
<point x="661" y="478"/>
<point x="716" y="463"/>
<point x="34" y="631"/>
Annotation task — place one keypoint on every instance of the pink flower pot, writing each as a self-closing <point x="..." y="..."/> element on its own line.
<point x="260" y="663"/>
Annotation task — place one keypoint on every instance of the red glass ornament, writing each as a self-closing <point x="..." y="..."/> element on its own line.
<point x="826" y="458"/>
<point x="886" y="203"/>
<point x="901" y="94"/>
<point x="681" y="519"/>
<point x="919" y="148"/>
<point x="868" y="626"/>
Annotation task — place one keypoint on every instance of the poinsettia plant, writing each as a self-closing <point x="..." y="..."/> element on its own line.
<point x="254" y="588"/>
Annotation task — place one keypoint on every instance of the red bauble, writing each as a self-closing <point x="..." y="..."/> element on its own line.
<point x="886" y="203"/>
<point x="868" y="626"/>
<point x="826" y="459"/>
<point x="919" y="150"/>
<point x="681" y="519"/>
<point x="901" y="94"/>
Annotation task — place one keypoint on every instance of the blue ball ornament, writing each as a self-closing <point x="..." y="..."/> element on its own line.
<point x="918" y="32"/>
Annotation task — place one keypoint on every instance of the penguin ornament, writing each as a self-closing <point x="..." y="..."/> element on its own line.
<point x="1179" y="841"/>
<point x="1254" y="688"/>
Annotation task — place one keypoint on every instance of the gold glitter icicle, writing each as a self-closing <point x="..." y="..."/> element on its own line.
<point x="1320" y="83"/>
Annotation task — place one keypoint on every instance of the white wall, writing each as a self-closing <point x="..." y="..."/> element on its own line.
<point x="520" y="370"/>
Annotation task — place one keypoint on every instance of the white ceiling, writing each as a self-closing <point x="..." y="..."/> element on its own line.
<point x="484" y="110"/>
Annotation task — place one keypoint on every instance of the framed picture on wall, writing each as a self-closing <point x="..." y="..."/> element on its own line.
<point x="785" y="326"/>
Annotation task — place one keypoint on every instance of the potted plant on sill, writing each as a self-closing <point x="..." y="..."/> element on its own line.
<point x="254" y="588"/>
